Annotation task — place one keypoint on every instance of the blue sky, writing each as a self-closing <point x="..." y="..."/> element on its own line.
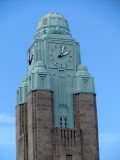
<point x="95" y="24"/>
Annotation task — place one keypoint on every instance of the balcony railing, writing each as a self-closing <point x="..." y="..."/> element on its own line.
<point x="66" y="137"/>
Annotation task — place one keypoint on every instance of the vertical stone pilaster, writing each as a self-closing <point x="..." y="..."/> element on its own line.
<point x="86" y="119"/>
<point x="40" y="125"/>
<point x="21" y="132"/>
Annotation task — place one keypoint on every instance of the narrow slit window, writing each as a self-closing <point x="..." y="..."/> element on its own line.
<point x="42" y="81"/>
<point x="85" y="84"/>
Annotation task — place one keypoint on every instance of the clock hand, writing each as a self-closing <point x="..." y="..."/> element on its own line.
<point x="63" y="48"/>
<point x="65" y="53"/>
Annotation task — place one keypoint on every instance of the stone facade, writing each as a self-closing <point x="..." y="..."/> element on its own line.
<point x="86" y="120"/>
<point x="67" y="144"/>
<point x="40" y="124"/>
<point x="46" y="142"/>
<point x="21" y="132"/>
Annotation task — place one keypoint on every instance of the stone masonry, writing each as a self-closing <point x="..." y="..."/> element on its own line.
<point x="21" y="132"/>
<point x="38" y="139"/>
<point x="67" y="144"/>
<point x="40" y="125"/>
<point x="86" y="120"/>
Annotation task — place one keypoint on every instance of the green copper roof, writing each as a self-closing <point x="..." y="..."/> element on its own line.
<point x="82" y="70"/>
<point x="38" y="77"/>
<point x="83" y="81"/>
<point x="52" y="19"/>
<point x="22" y="91"/>
<point x="63" y="76"/>
<point x="52" y="23"/>
<point x="24" y="82"/>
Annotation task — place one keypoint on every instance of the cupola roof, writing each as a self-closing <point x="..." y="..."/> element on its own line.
<point x="52" y="23"/>
<point x="82" y="70"/>
<point x="52" y="19"/>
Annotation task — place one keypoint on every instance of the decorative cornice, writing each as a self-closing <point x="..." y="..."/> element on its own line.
<point x="52" y="30"/>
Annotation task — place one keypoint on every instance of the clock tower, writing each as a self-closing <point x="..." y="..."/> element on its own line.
<point x="56" y="117"/>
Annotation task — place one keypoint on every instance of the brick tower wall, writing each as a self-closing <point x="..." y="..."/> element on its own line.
<point x="21" y="132"/>
<point x="40" y="124"/>
<point x="86" y="120"/>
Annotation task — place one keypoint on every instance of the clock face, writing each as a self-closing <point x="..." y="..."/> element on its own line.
<point x="61" y="55"/>
<point x="31" y="56"/>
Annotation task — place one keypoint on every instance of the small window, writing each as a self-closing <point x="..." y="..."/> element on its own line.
<point x="85" y="84"/>
<point x="42" y="81"/>
<point x="60" y="119"/>
<point x="63" y="122"/>
<point x="68" y="157"/>
<point x="44" y="21"/>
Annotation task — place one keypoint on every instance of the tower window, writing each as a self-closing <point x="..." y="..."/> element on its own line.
<point x="44" y="21"/>
<point x="63" y="122"/>
<point x="85" y="84"/>
<point x="42" y="81"/>
<point x="68" y="157"/>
